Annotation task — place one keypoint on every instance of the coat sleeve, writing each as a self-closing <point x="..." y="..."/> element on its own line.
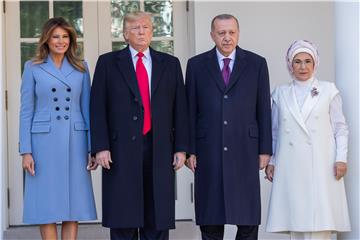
<point x="275" y="124"/>
<point x="98" y="114"/>
<point x="191" y="102"/>
<point x="27" y="104"/>
<point x="181" y="120"/>
<point x="263" y="110"/>
<point x="85" y="101"/>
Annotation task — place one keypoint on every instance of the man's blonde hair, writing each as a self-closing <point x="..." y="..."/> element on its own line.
<point x="133" y="16"/>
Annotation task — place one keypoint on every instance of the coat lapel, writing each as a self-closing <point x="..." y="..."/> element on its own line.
<point x="311" y="100"/>
<point x="214" y="69"/>
<point x="157" y="70"/>
<point x="293" y="107"/>
<point x="49" y="67"/>
<point x="66" y="68"/>
<point x="125" y="64"/>
<point x="238" y="68"/>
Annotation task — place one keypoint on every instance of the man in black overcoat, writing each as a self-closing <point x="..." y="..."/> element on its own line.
<point x="139" y="133"/>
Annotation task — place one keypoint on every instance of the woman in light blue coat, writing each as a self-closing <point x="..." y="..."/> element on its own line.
<point x="54" y="134"/>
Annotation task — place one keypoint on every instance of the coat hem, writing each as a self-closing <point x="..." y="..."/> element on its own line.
<point x="308" y="230"/>
<point x="57" y="220"/>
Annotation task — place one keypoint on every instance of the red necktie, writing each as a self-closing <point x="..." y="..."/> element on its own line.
<point x="143" y="83"/>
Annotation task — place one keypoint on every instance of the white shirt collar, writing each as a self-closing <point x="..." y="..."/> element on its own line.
<point x="134" y="53"/>
<point x="221" y="57"/>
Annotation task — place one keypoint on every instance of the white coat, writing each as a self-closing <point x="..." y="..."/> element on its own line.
<point x="305" y="195"/>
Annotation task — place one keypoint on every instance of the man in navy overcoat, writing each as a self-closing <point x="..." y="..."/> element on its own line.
<point x="230" y="132"/>
<point x="139" y="133"/>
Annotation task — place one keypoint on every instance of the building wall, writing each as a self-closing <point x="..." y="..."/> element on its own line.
<point x="3" y="168"/>
<point x="268" y="28"/>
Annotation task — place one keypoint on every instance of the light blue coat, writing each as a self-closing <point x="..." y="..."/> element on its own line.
<point x="54" y="128"/>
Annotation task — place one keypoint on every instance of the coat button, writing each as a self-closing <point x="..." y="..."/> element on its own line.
<point x="68" y="89"/>
<point x="53" y="89"/>
<point x="66" y="117"/>
<point x="225" y="149"/>
<point x="136" y="100"/>
<point x="291" y="144"/>
<point x="225" y="122"/>
<point x="308" y="142"/>
<point x="67" y="108"/>
<point x="135" y="118"/>
<point x="226" y="96"/>
<point x="67" y="99"/>
<point x="58" y="117"/>
<point x="133" y="138"/>
<point x="55" y="99"/>
<point x="57" y="108"/>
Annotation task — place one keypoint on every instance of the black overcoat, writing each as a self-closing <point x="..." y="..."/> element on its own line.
<point x="116" y="113"/>
<point x="229" y="127"/>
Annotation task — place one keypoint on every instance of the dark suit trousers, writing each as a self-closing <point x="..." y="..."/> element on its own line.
<point x="216" y="232"/>
<point x="148" y="232"/>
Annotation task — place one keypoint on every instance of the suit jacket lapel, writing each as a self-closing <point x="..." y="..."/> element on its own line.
<point x="293" y="107"/>
<point x="238" y="68"/>
<point x="49" y="67"/>
<point x="157" y="70"/>
<point x="214" y="69"/>
<point x="125" y="64"/>
<point x="310" y="100"/>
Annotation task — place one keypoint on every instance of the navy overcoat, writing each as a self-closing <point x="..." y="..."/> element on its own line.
<point x="229" y="127"/>
<point x="116" y="119"/>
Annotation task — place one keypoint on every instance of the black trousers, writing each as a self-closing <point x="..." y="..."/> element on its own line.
<point x="133" y="234"/>
<point x="148" y="232"/>
<point x="216" y="232"/>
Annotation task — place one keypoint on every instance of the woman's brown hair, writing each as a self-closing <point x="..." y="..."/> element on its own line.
<point x="42" y="51"/>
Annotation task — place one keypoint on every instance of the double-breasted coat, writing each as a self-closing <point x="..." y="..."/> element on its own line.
<point x="54" y="124"/>
<point x="116" y="123"/>
<point x="305" y="195"/>
<point x="229" y="127"/>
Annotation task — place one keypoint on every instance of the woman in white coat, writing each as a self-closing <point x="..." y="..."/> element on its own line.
<point x="310" y="138"/>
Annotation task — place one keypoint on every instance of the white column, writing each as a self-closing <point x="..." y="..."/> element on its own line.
<point x="3" y="185"/>
<point x="347" y="79"/>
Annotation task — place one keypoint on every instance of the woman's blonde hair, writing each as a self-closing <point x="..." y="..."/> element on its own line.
<point x="43" y="51"/>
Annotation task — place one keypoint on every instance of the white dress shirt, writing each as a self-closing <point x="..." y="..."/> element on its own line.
<point x="338" y="122"/>
<point x="220" y="58"/>
<point x="146" y="61"/>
